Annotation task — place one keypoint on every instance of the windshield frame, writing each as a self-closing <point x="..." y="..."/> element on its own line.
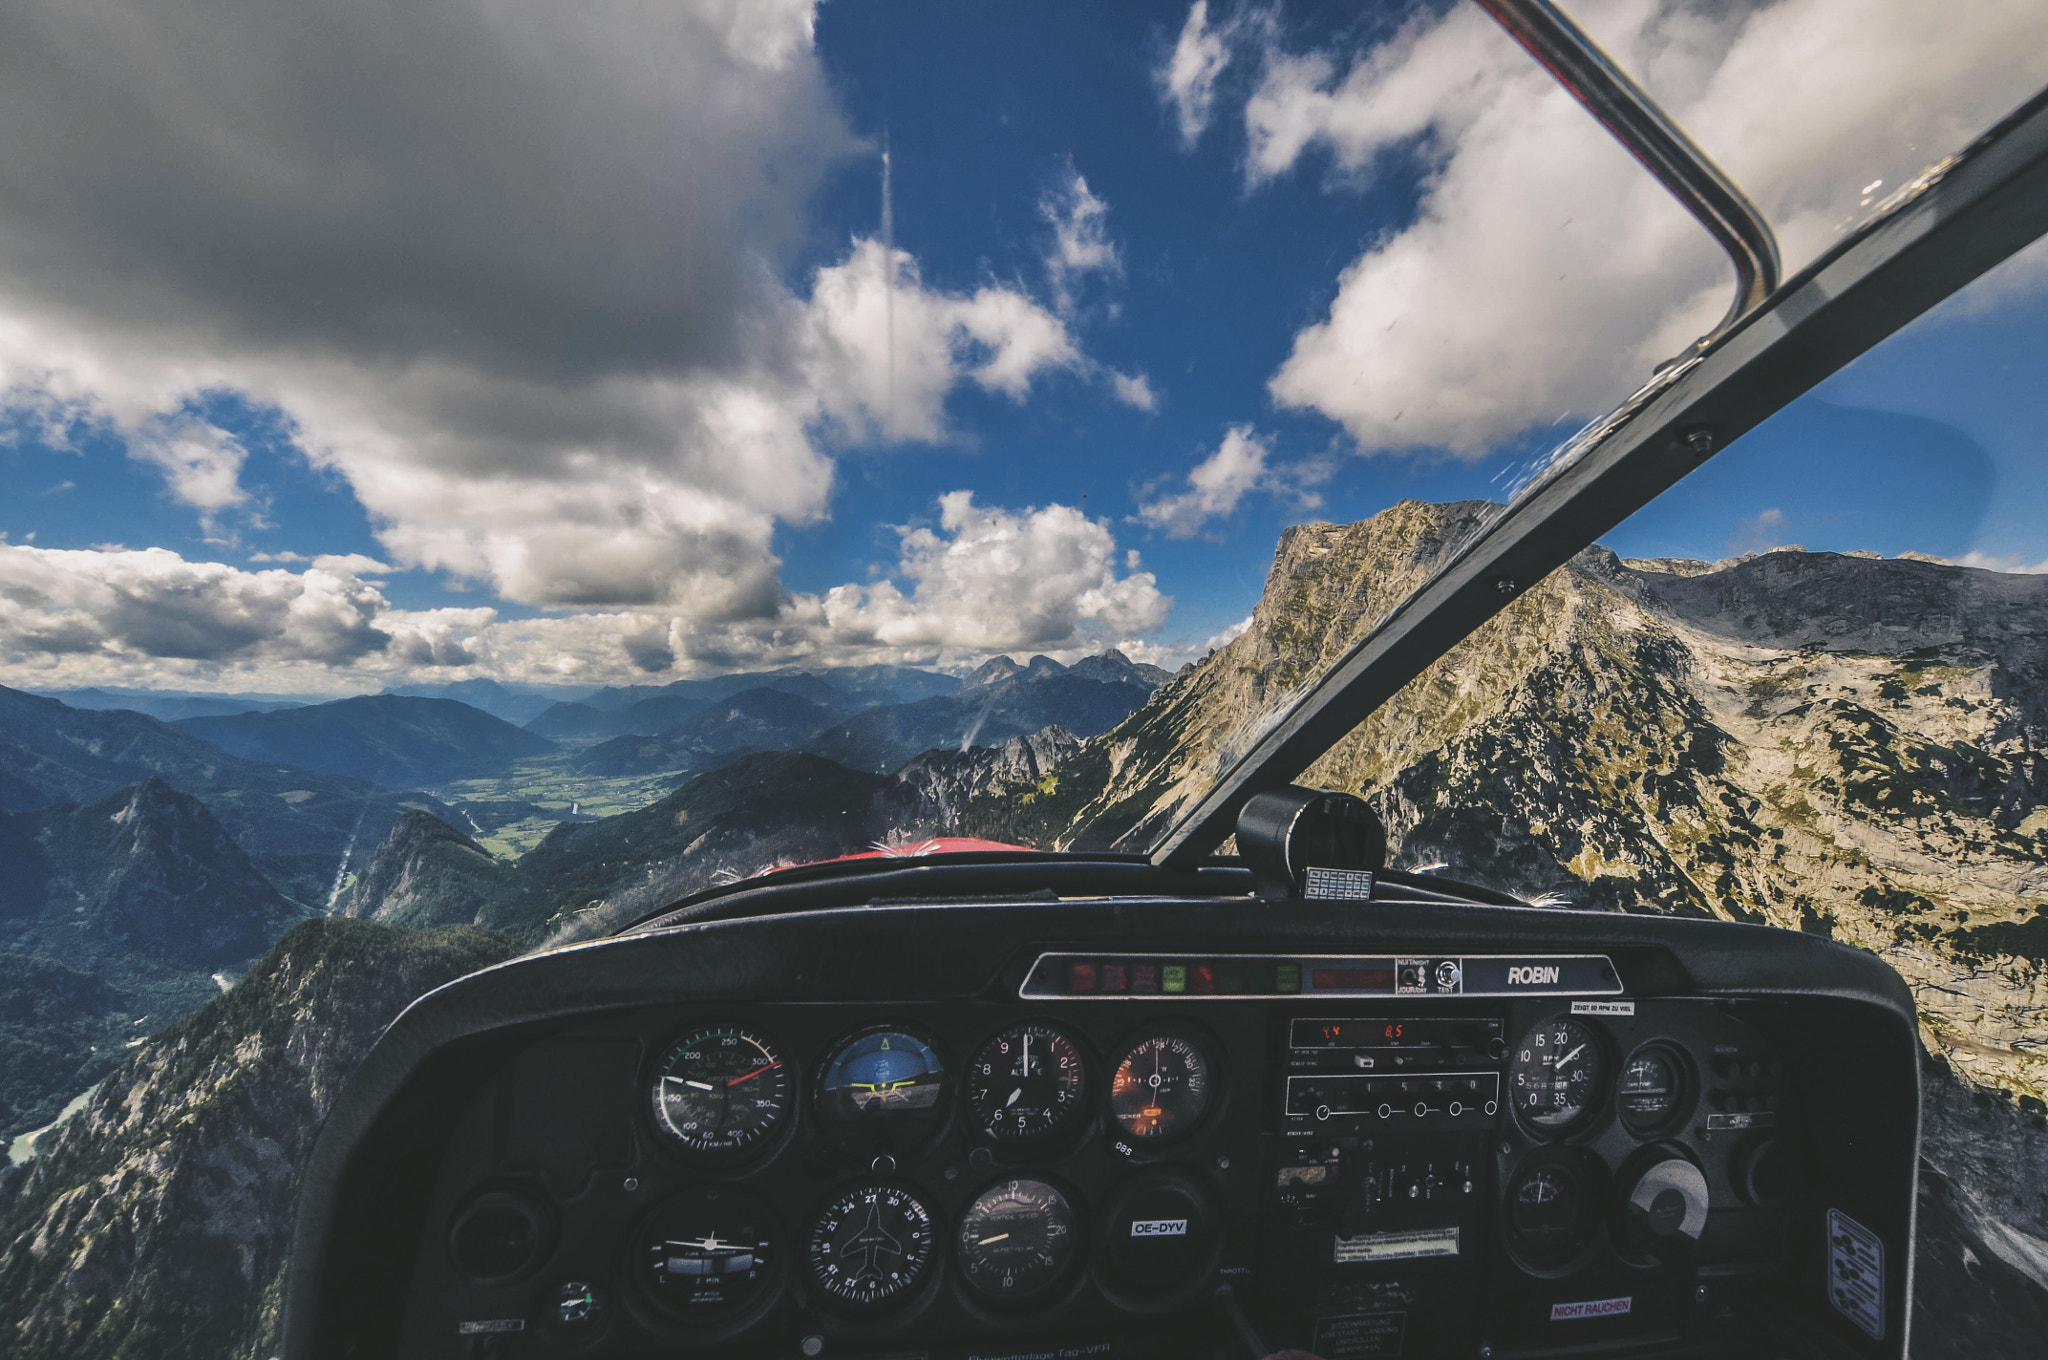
<point x="1957" y="220"/>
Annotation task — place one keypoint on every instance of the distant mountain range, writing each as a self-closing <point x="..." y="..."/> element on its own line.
<point x="650" y="710"/>
<point x="171" y="705"/>
<point x="999" y="701"/>
<point x="387" y="739"/>
<point x="300" y="827"/>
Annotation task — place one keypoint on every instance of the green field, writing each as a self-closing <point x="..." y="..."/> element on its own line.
<point x="509" y="813"/>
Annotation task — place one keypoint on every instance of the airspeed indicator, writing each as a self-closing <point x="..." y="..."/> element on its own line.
<point x="721" y="1090"/>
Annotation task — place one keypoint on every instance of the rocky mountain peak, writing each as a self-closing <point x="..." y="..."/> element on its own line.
<point x="426" y="873"/>
<point x="993" y="671"/>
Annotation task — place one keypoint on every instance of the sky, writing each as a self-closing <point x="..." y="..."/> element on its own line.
<point x="346" y="347"/>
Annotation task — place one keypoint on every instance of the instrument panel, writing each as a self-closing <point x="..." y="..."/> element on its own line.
<point x="819" y="1179"/>
<point x="752" y="1138"/>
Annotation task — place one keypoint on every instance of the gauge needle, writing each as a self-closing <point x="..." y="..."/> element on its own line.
<point x="986" y="1240"/>
<point x="699" y="1085"/>
<point x="1013" y="1097"/>
<point x="755" y="1073"/>
<point x="1560" y="1062"/>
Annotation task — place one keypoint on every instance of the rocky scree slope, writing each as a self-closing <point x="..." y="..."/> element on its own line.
<point x="155" y="1222"/>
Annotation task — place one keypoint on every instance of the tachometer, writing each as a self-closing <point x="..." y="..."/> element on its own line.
<point x="1027" y="1083"/>
<point x="1160" y="1088"/>
<point x="1018" y="1239"/>
<point x="872" y="1246"/>
<point x="721" y="1090"/>
<point x="1557" y="1075"/>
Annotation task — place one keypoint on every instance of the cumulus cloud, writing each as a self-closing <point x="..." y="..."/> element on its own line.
<point x="201" y="463"/>
<point x="1543" y="271"/>
<point x="515" y="273"/>
<point x="1187" y="79"/>
<point x="153" y="605"/>
<point x="1219" y="482"/>
<point x="994" y="580"/>
<point x="1135" y="390"/>
<point x="980" y="579"/>
<point x="1081" y="244"/>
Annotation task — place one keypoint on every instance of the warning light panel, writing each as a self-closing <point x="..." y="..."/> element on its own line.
<point x="1213" y="977"/>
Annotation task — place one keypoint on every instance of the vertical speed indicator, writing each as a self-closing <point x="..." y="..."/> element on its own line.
<point x="723" y="1091"/>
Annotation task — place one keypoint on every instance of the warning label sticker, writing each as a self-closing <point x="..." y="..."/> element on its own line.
<point x="1590" y="1308"/>
<point x="1396" y="1246"/>
<point x="1360" y="1336"/>
<point x="1603" y="1008"/>
<point x="1856" y="1273"/>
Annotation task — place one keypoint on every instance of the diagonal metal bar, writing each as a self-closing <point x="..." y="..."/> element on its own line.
<point x="1652" y="138"/>
<point x="1949" y="227"/>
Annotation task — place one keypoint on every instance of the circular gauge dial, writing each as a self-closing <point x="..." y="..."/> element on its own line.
<point x="1651" y="1088"/>
<point x="882" y="1075"/>
<point x="871" y="1246"/>
<point x="1026" y="1083"/>
<point x="708" y="1251"/>
<point x="1160" y="1088"/>
<point x="1017" y="1239"/>
<point x="721" y="1089"/>
<point x="1556" y="1075"/>
<point x="1551" y="1212"/>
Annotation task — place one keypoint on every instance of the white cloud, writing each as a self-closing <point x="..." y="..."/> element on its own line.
<point x="514" y="273"/>
<point x="1543" y="270"/>
<point x="980" y="580"/>
<point x="879" y="358"/>
<point x="1187" y="80"/>
<point x="2010" y="563"/>
<point x="152" y="605"/>
<point x="992" y="580"/>
<point x="1135" y="390"/>
<point x="201" y="463"/>
<point x="1081" y="244"/>
<point x="1219" y="482"/>
<point x="1760" y="532"/>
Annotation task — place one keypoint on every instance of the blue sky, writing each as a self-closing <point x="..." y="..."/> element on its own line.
<point x="595" y="369"/>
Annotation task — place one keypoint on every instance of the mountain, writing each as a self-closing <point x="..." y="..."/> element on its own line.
<point x="762" y="810"/>
<point x="983" y="783"/>
<point x="387" y="739"/>
<point x="426" y="873"/>
<point x="1834" y="743"/>
<point x="303" y="829"/>
<point x="998" y="701"/>
<point x="764" y="719"/>
<point x="126" y="907"/>
<point x="648" y="710"/>
<point x="168" y="1195"/>
<point x="571" y="721"/>
<point x="516" y="704"/>
<point x="171" y="705"/>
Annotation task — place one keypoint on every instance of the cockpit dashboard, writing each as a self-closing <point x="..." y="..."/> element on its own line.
<point x="1208" y="1125"/>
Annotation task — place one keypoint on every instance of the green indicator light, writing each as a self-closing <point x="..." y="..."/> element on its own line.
<point x="1288" y="975"/>
<point x="1173" y="977"/>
